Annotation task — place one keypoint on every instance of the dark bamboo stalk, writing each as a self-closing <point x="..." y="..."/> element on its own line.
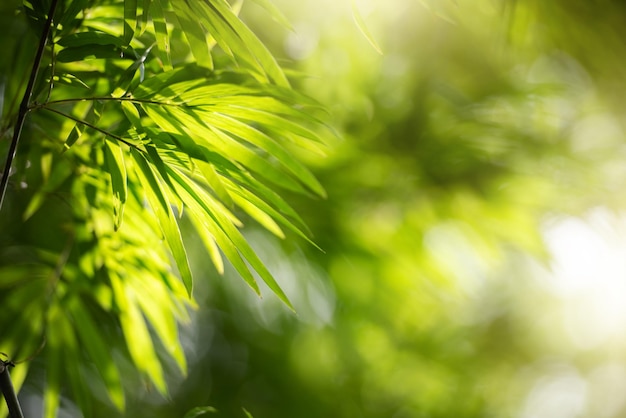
<point x="19" y="124"/>
<point x="15" y="411"/>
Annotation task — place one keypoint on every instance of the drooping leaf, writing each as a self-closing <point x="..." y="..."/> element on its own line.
<point x="274" y="12"/>
<point x="130" y="20"/>
<point x="161" y="207"/>
<point x="136" y="333"/>
<point x="195" y="34"/>
<point x="360" y="23"/>
<point x="87" y="52"/>
<point x="89" y="39"/>
<point x="97" y="348"/>
<point x="161" y="33"/>
<point x="116" y="167"/>
<point x="199" y="410"/>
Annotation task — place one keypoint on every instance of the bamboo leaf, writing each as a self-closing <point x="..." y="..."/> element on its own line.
<point x="54" y="359"/>
<point x="88" y="52"/>
<point x="136" y="333"/>
<point x="143" y="22"/>
<point x="234" y="236"/>
<point x="200" y="410"/>
<point x="206" y="213"/>
<point x="260" y="216"/>
<point x="89" y="39"/>
<point x="250" y="41"/>
<point x="258" y="138"/>
<point x="274" y="12"/>
<point x="195" y="34"/>
<point x="209" y="243"/>
<point x="160" y="31"/>
<point x="116" y="167"/>
<point x="156" y="304"/>
<point x="161" y="207"/>
<point x="130" y="20"/>
<point x="214" y="180"/>
<point x="97" y="349"/>
<point x="360" y="23"/>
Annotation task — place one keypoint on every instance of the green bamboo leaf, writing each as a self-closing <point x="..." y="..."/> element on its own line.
<point x="219" y="141"/>
<point x="209" y="243"/>
<point x="116" y="167"/>
<point x="217" y="214"/>
<point x="131" y="113"/>
<point x="88" y="52"/>
<point x="94" y="113"/>
<point x="54" y="360"/>
<point x="360" y="23"/>
<point x="130" y="20"/>
<point x="260" y="216"/>
<point x="74" y="135"/>
<point x="80" y="390"/>
<point x="250" y="41"/>
<point x="274" y="12"/>
<point x="200" y="410"/>
<point x="160" y="31"/>
<point x="172" y="119"/>
<point x="156" y="304"/>
<point x="159" y="164"/>
<point x="136" y="333"/>
<point x="273" y="198"/>
<point x="224" y="37"/>
<point x="258" y="138"/>
<point x="161" y="207"/>
<point x="206" y="213"/>
<point x="58" y="175"/>
<point x="241" y="194"/>
<point x="214" y="180"/>
<point x="97" y="349"/>
<point x="242" y="245"/>
<point x="195" y="34"/>
<point x="70" y="80"/>
<point x="90" y="39"/>
<point x="143" y="22"/>
<point x="69" y="15"/>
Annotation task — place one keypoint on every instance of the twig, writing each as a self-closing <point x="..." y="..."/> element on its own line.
<point x="19" y="124"/>
<point x="15" y="411"/>
<point x="94" y="127"/>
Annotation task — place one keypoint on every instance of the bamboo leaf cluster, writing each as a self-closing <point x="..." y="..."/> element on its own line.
<point x="145" y="112"/>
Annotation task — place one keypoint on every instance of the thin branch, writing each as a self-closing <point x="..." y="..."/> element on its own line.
<point x="21" y="117"/>
<point x="94" y="127"/>
<point x="15" y="411"/>
<point x="104" y="98"/>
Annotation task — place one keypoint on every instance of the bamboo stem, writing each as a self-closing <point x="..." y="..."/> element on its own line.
<point x="19" y="124"/>
<point x="15" y="411"/>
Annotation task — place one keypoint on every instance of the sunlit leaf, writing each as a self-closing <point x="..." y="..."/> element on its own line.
<point x="358" y="19"/>
<point x="114" y="160"/>
<point x="137" y="336"/>
<point x="97" y="348"/>
<point x="195" y="34"/>
<point x="161" y="33"/>
<point x="161" y="207"/>
<point x="199" y="410"/>
<point x="87" y="52"/>
<point x="130" y="20"/>
<point x="274" y="12"/>
<point x="89" y="39"/>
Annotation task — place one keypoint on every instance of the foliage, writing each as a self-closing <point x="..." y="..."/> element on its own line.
<point x="479" y="127"/>
<point x="464" y="142"/>
<point x="144" y="113"/>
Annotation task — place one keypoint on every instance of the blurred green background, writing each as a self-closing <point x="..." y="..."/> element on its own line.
<point x="473" y="257"/>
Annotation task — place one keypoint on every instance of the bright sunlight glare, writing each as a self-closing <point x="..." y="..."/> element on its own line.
<point x="589" y="276"/>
